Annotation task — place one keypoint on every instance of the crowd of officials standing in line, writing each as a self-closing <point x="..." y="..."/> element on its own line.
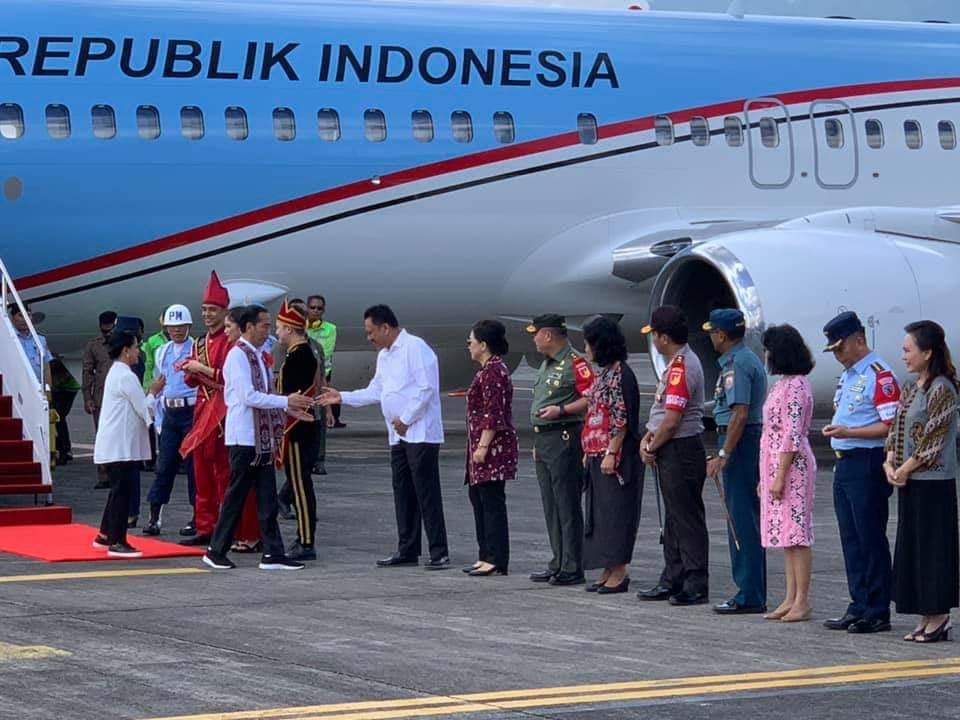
<point x="253" y="409"/>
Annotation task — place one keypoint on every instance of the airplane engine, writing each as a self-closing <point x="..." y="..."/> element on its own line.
<point x="806" y="271"/>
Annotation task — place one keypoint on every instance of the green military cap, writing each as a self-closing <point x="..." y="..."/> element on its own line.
<point x="547" y="320"/>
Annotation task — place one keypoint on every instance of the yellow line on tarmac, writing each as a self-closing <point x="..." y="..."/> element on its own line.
<point x="10" y="652"/>
<point x="95" y="574"/>
<point x="597" y="693"/>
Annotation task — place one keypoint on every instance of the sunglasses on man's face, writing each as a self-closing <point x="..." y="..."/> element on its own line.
<point x="315" y="307"/>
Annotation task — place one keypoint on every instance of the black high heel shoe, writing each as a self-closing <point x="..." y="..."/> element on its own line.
<point x="477" y="572"/>
<point x="623" y="587"/>
<point x="941" y="633"/>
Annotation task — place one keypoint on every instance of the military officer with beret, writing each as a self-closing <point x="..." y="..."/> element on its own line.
<point x="864" y="404"/>
<point x="556" y="417"/>
<point x="738" y="411"/>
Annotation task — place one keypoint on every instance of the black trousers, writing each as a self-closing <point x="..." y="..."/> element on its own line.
<point x="417" y="498"/>
<point x="249" y="471"/>
<point x="298" y="460"/>
<point x="489" y="501"/>
<point x="682" y="469"/>
<point x="177" y="422"/>
<point x="122" y="476"/>
<point x="62" y="402"/>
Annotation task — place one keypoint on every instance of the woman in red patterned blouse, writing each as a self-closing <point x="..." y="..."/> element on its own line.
<point x="491" y="446"/>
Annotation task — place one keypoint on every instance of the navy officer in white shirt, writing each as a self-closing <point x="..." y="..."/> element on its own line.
<point x="407" y="386"/>
<point x="253" y="431"/>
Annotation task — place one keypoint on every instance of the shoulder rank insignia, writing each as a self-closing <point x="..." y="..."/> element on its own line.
<point x="876" y="367"/>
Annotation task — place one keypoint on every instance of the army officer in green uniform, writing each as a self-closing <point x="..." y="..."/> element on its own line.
<point x="556" y="417"/>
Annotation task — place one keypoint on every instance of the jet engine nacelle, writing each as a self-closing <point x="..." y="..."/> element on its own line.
<point x="806" y="271"/>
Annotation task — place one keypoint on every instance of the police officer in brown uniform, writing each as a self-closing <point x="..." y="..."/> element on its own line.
<point x="556" y="418"/>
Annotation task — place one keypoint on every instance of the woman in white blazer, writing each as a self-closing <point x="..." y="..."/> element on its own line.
<point x="123" y="440"/>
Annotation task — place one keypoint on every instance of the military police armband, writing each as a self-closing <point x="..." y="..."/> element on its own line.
<point x="676" y="393"/>
<point x="582" y="374"/>
<point x="886" y="395"/>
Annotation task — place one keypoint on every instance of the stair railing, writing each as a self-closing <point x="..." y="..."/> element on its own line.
<point x="19" y="381"/>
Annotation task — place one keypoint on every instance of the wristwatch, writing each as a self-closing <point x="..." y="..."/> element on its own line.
<point x="722" y="453"/>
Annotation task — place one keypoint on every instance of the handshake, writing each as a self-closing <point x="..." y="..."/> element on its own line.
<point x="299" y="404"/>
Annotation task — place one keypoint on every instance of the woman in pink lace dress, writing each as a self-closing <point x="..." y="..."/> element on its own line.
<point x="788" y="469"/>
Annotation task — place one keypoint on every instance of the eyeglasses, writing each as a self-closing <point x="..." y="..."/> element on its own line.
<point x="315" y="307"/>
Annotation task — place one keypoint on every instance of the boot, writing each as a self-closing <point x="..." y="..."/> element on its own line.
<point x="153" y="526"/>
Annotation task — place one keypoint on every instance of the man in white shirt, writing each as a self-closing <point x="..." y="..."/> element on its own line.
<point x="253" y="429"/>
<point x="407" y="386"/>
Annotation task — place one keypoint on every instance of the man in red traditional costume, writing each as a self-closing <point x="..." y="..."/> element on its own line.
<point x="204" y="370"/>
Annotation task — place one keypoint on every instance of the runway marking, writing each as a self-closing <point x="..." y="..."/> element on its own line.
<point x="95" y="574"/>
<point x="492" y="702"/>
<point x="10" y="652"/>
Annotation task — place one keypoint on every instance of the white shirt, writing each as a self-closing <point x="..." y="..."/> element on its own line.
<point x="125" y="415"/>
<point x="407" y="386"/>
<point x="241" y="398"/>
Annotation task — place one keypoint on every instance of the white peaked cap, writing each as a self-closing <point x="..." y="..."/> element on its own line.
<point x="177" y="315"/>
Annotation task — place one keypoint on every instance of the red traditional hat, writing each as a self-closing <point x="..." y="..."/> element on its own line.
<point x="291" y="316"/>
<point x="216" y="294"/>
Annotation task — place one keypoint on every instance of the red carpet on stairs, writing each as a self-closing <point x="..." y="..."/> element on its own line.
<point x="66" y="543"/>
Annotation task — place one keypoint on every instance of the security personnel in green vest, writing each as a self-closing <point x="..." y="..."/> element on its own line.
<point x="738" y="412"/>
<point x="556" y="417"/>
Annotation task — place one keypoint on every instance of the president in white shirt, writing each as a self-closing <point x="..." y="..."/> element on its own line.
<point x="407" y="386"/>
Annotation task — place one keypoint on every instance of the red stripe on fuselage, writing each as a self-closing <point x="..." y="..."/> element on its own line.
<point x="445" y="167"/>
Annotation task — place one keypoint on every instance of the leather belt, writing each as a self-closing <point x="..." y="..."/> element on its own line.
<point x="854" y="451"/>
<point x="175" y="403"/>
<point x="555" y="427"/>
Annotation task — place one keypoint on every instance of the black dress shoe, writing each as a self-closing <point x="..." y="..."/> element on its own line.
<point x="657" y="592"/>
<point x="396" y="561"/>
<point x="300" y="552"/>
<point x="152" y="528"/>
<point x="438" y="564"/>
<point x="561" y="579"/>
<point x="196" y="540"/>
<point x="621" y="588"/>
<point x="732" y="607"/>
<point x="318" y="469"/>
<point x="477" y="572"/>
<point x="865" y="625"/>
<point x="542" y="576"/>
<point x="689" y="598"/>
<point x="188" y="530"/>
<point x="285" y="512"/>
<point x="102" y="484"/>
<point x="840" y="623"/>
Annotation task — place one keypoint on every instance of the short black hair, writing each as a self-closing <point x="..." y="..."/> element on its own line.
<point x="672" y="322"/>
<point x="107" y="317"/>
<point x="117" y="341"/>
<point x="250" y="316"/>
<point x="14" y="309"/>
<point x="295" y="301"/>
<point x="606" y="340"/>
<point x="236" y="314"/>
<point x="737" y="333"/>
<point x="494" y="334"/>
<point x="321" y="298"/>
<point x="381" y="315"/>
<point x="787" y="353"/>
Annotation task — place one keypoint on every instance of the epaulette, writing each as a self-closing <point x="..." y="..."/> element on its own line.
<point x="877" y="367"/>
<point x="677" y="360"/>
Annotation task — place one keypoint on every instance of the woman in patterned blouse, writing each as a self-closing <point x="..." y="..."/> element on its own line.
<point x="788" y="469"/>
<point x="611" y="445"/>
<point x="922" y="464"/>
<point x="491" y="446"/>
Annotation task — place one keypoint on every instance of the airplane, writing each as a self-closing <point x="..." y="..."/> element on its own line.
<point x="467" y="162"/>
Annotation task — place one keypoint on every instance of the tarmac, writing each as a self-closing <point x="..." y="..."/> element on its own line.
<point x="344" y="640"/>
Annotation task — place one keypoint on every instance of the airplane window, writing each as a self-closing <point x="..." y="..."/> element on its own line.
<point x="503" y="128"/>
<point x="422" y="125"/>
<point x="58" y="121"/>
<point x="284" y="124"/>
<point x="663" y="128"/>
<point x="11" y="121"/>
<point x="587" y="128"/>
<point x="733" y="130"/>
<point x="462" y="125"/>
<point x="328" y="125"/>
<point x="191" y="122"/>
<point x="874" y="130"/>
<point x="912" y="134"/>
<point x="700" y="131"/>
<point x="948" y="135"/>
<point x="769" y="132"/>
<point x="104" y="122"/>
<point x="834" y="131"/>
<point x="236" y="119"/>
<point x="374" y="125"/>
<point x="148" y="122"/>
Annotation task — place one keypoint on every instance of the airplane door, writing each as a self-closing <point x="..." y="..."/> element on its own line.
<point x="836" y="156"/>
<point x="769" y="143"/>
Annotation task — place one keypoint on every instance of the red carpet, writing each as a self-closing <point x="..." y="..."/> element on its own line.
<point x="66" y="543"/>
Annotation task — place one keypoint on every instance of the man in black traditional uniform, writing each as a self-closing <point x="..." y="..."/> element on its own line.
<point x="298" y="374"/>
<point x="556" y="417"/>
